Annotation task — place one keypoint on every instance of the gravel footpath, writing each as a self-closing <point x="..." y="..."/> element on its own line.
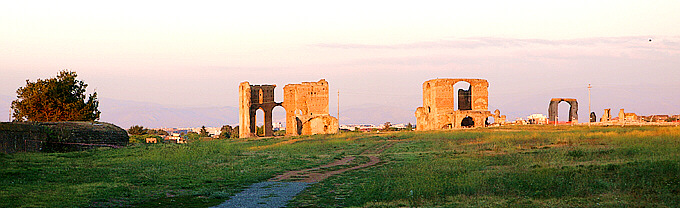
<point x="266" y="194"/>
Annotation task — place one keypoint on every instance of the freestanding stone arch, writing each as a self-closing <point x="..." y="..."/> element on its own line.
<point x="306" y="106"/>
<point x="573" y="110"/>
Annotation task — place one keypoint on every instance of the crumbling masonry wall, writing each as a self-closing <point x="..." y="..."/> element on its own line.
<point x="438" y="111"/>
<point x="306" y="106"/>
<point x="606" y="116"/>
<point x="251" y="99"/>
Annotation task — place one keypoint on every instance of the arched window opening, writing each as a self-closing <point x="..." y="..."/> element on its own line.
<point x="563" y="111"/>
<point x="462" y="95"/>
<point x="279" y="121"/>
<point x="259" y="122"/>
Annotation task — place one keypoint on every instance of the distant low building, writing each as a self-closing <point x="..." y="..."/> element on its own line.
<point x="278" y="126"/>
<point x="537" y="119"/>
<point x="348" y="127"/>
<point x="631" y="117"/>
<point x="658" y="118"/>
<point x="175" y="138"/>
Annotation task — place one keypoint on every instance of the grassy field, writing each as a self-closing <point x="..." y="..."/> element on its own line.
<point x="524" y="166"/>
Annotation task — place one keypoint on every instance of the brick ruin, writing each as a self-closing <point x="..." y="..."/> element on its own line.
<point x="606" y="116"/>
<point x="306" y="106"/>
<point x="252" y="98"/>
<point x="553" y="107"/>
<point x="439" y="97"/>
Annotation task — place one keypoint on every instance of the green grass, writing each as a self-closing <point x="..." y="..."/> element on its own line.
<point x="515" y="166"/>
<point x="198" y="174"/>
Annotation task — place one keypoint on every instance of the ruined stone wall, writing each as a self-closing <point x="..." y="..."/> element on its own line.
<point x="306" y="107"/>
<point x="606" y="116"/>
<point x="251" y="99"/>
<point x="245" y="100"/>
<point x="622" y="115"/>
<point x="439" y="98"/>
<point x="59" y="136"/>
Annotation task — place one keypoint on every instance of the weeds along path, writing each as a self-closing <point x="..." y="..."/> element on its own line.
<point x="279" y="190"/>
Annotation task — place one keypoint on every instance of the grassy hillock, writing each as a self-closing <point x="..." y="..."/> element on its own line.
<point x="527" y="166"/>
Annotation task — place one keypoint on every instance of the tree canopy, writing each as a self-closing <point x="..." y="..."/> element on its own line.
<point x="137" y="130"/>
<point x="55" y="99"/>
<point x="229" y="132"/>
<point x="204" y="132"/>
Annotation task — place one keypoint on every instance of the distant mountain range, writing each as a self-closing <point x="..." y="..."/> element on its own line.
<point x="129" y="113"/>
<point x="151" y="115"/>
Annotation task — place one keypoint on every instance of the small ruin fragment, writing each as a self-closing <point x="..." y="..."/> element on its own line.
<point x="593" y="117"/>
<point x="306" y="106"/>
<point x="573" y="110"/>
<point x="606" y="116"/>
<point x="438" y="110"/>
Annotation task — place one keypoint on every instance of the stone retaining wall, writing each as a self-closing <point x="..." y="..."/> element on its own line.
<point x="59" y="136"/>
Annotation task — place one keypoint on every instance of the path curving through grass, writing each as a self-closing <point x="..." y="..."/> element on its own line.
<point x="279" y="190"/>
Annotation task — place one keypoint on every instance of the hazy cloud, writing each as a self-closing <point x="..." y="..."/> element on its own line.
<point x="671" y="43"/>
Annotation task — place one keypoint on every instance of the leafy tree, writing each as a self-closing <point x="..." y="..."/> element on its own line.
<point x="137" y="130"/>
<point x="204" y="132"/>
<point x="235" y="132"/>
<point x="55" y="99"/>
<point x="192" y="136"/>
<point x="409" y="126"/>
<point x="227" y="132"/>
<point x="157" y="132"/>
<point x="259" y="131"/>
<point x="387" y="126"/>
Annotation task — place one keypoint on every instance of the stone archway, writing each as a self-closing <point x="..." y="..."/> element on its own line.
<point x="553" y="109"/>
<point x="251" y="99"/>
<point x="467" y="122"/>
<point x="489" y="121"/>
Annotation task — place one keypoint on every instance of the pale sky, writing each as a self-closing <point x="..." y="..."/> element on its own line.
<point x="195" y="53"/>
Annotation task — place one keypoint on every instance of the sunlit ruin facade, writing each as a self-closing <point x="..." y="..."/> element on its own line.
<point x="306" y="106"/>
<point x="439" y="109"/>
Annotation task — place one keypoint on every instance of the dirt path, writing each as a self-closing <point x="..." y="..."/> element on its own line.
<point x="319" y="173"/>
<point x="279" y="190"/>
